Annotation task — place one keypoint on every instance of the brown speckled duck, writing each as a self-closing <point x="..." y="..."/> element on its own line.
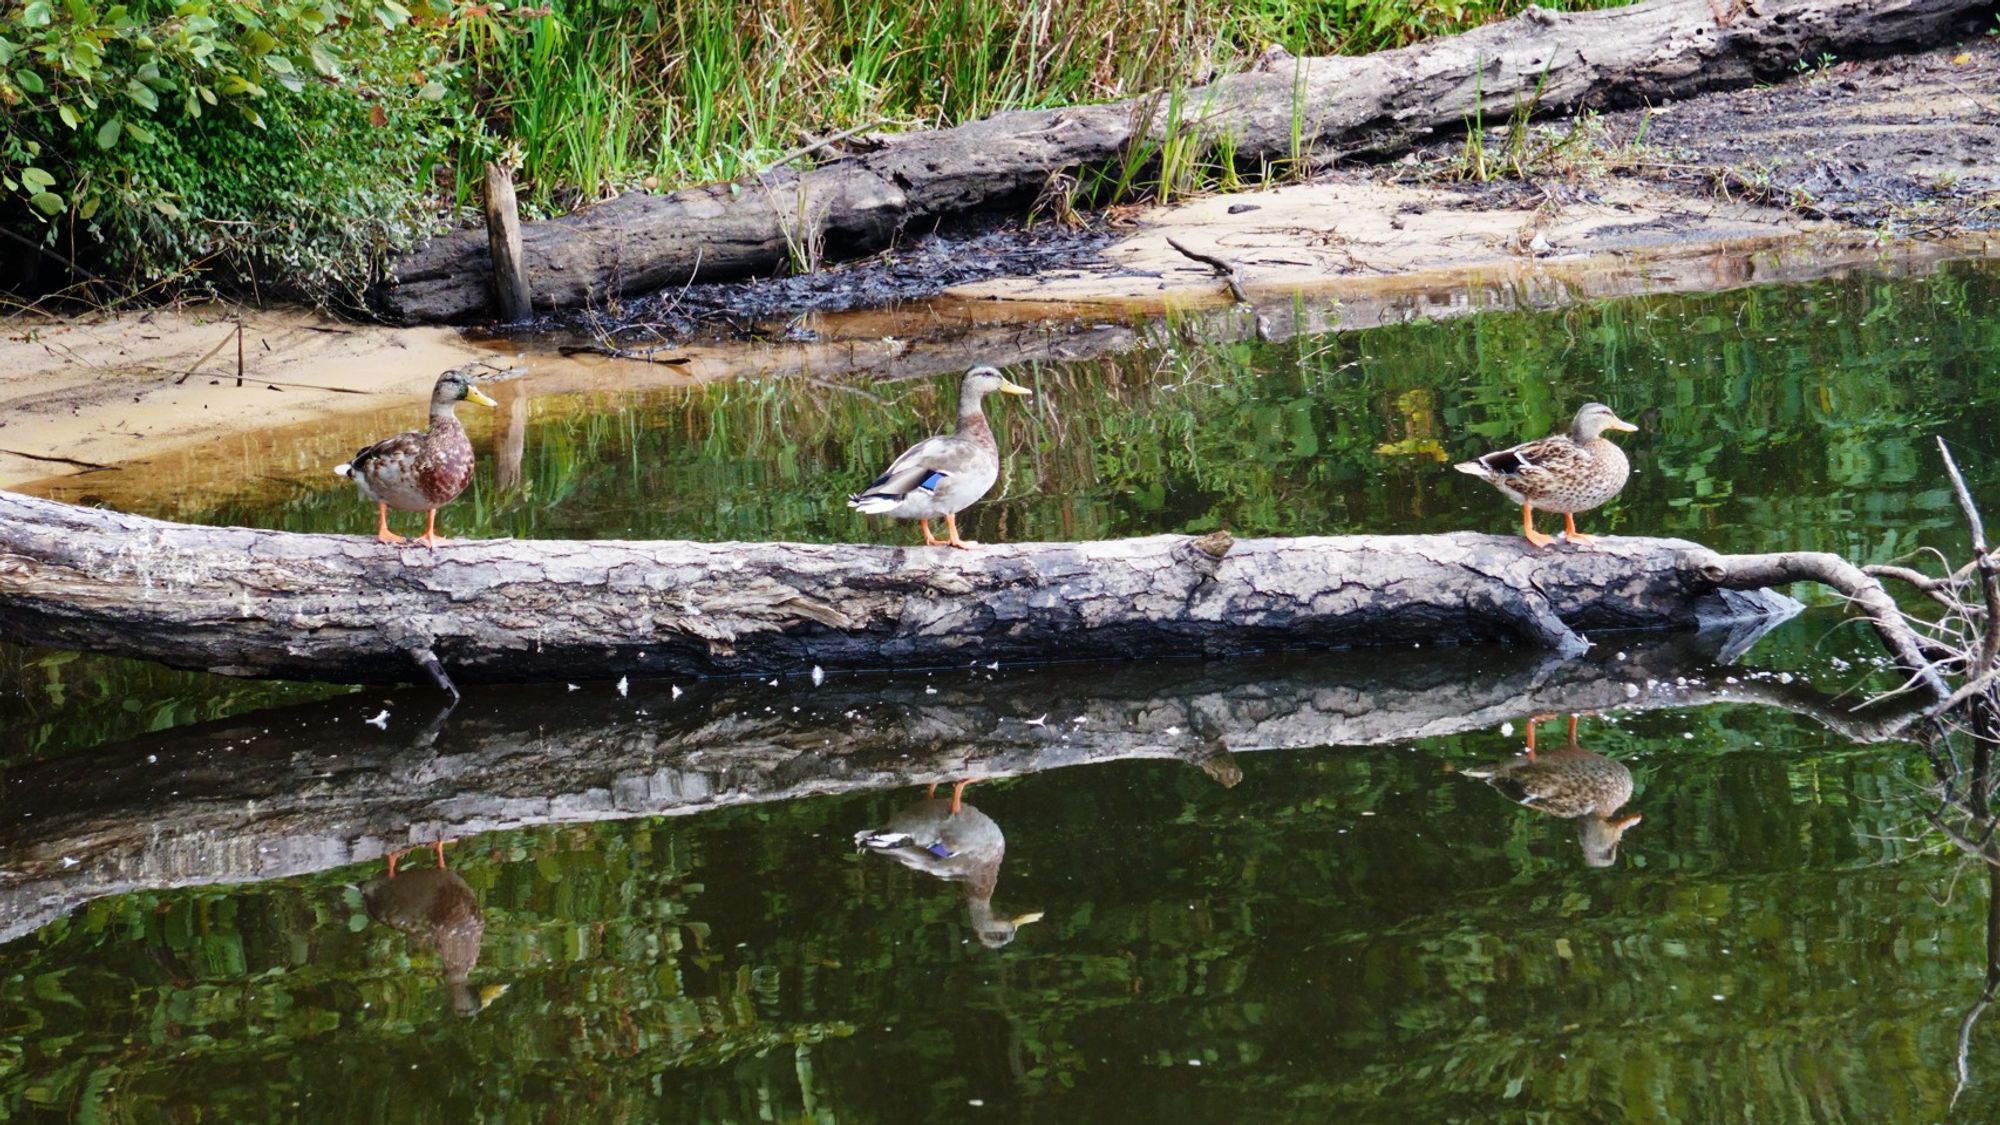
<point x="1572" y="783"/>
<point x="951" y="840"/>
<point x="1567" y="473"/>
<point x="438" y="910"/>
<point x="419" y="472"/>
<point x="942" y="475"/>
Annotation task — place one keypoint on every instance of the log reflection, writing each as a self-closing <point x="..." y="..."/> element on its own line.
<point x="303" y="789"/>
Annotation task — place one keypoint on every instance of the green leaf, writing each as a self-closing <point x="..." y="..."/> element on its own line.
<point x="30" y="81"/>
<point x="107" y="133"/>
<point x="38" y="13"/>
<point x="36" y="178"/>
<point x="432" y="92"/>
<point x="139" y="132"/>
<point x="139" y="92"/>
<point x="68" y="116"/>
<point x="259" y="42"/>
<point x="323" y="60"/>
<point x="88" y="207"/>
<point x="279" y="64"/>
<point x="48" y="202"/>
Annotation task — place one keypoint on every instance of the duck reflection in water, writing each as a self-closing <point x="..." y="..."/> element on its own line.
<point x="955" y="842"/>
<point x="1572" y="783"/>
<point x="437" y="909"/>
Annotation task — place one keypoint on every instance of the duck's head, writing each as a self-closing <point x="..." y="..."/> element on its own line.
<point x="456" y="386"/>
<point x="982" y="381"/>
<point x="1594" y="419"/>
<point x="1599" y="836"/>
<point x="995" y="933"/>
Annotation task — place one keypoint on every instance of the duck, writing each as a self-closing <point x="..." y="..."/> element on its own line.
<point x="1568" y="473"/>
<point x="439" y="911"/>
<point x="419" y="472"/>
<point x="1572" y="783"/>
<point x="943" y="475"/>
<point x="951" y="840"/>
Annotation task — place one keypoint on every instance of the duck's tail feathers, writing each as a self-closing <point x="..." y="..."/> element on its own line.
<point x="882" y="838"/>
<point x="873" y="503"/>
<point x="344" y="469"/>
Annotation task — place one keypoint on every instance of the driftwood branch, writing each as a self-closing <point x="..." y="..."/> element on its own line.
<point x="250" y="602"/>
<point x="1649" y="52"/>
<point x="1752" y="572"/>
<point x="307" y="788"/>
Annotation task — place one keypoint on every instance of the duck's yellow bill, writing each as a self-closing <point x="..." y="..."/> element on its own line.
<point x="480" y="397"/>
<point x="1011" y="388"/>
<point x="1621" y="424"/>
<point x="1024" y="919"/>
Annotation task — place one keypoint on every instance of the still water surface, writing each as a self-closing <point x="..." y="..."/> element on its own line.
<point x="1336" y="919"/>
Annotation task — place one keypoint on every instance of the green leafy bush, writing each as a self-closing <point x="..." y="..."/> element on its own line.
<point x="285" y="145"/>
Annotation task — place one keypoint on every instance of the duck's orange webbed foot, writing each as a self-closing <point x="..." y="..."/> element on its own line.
<point x="382" y="532"/>
<point x="952" y="539"/>
<point x="1528" y="527"/>
<point x="1572" y="534"/>
<point x="929" y="539"/>
<point x="430" y="536"/>
<point x="958" y="796"/>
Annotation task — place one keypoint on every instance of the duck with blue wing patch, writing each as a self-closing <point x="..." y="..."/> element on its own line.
<point x="950" y="840"/>
<point x="943" y="475"/>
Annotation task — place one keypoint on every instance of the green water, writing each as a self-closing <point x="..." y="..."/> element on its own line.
<point x="1350" y="931"/>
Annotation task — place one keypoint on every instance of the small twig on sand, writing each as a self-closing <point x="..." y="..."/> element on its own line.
<point x="212" y="353"/>
<point x="57" y="460"/>
<point x="1223" y="270"/>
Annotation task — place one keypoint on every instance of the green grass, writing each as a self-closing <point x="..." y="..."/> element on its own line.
<point x="291" y="146"/>
<point x="599" y="96"/>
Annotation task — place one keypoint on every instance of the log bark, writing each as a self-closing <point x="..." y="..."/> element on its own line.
<point x="308" y="788"/>
<point x="249" y="602"/>
<point x="1649" y="52"/>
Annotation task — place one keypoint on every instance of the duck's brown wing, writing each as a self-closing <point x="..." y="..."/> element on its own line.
<point x="1530" y="463"/>
<point x="404" y="446"/>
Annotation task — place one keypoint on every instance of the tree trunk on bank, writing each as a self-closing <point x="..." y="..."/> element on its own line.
<point x="307" y="788"/>
<point x="247" y="602"/>
<point x="1289" y="109"/>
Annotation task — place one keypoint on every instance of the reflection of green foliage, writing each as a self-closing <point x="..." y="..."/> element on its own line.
<point x="1345" y="932"/>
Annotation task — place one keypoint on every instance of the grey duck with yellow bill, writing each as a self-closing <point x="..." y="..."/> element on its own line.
<point x="951" y="840"/>
<point x="1567" y="473"/>
<point x="943" y="475"/>
<point x="438" y="910"/>
<point x="1572" y="783"/>
<point x="419" y="472"/>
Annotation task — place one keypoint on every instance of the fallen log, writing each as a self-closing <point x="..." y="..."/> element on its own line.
<point x="312" y="787"/>
<point x="1288" y="109"/>
<point x="250" y="602"/>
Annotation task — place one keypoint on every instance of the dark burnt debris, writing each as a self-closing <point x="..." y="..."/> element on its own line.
<point x="916" y="269"/>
